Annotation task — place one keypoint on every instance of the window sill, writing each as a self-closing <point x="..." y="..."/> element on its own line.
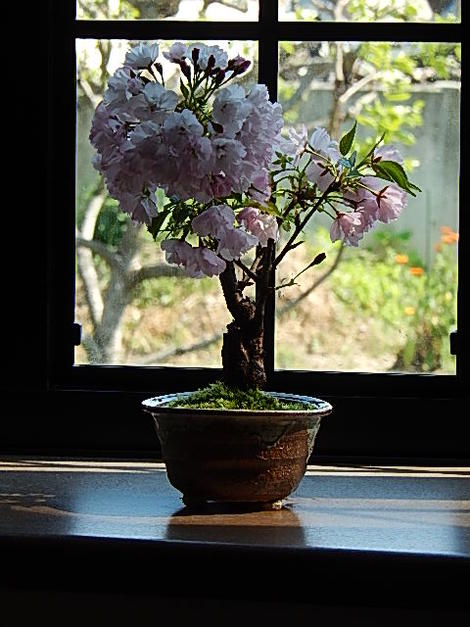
<point x="349" y="536"/>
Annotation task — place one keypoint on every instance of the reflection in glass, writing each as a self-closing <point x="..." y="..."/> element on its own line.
<point x="391" y="304"/>
<point x="133" y="307"/>
<point x="369" y="10"/>
<point x="184" y="10"/>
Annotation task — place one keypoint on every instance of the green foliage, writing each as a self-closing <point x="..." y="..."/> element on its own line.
<point x="111" y="223"/>
<point x="367" y="11"/>
<point x="389" y="283"/>
<point x="220" y="396"/>
<point x="396" y="120"/>
<point x="391" y="171"/>
<point x="347" y="140"/>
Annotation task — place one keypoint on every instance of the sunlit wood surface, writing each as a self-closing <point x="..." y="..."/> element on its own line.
<point x="364" y="522"/>
<point x="384" y="509"/>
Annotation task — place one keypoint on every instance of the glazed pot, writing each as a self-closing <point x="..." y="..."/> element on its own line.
<point x="236" y="455"/>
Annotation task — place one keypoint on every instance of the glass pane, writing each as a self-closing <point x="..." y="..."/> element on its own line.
<point x="184" y="10"/>
<point x="389" y="304"/>
<point x="133" y="307"/>
<point x="369" y="10"/>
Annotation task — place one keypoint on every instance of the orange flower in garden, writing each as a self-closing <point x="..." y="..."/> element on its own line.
<point x="437" y="247"/>
<point x="450" y="238"/>
<point x="401" y="259"/>
<point x="417" y="271"/>
<point x="445" y="230"/>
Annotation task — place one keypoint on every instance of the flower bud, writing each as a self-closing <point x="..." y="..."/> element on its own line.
<point x="238" y="65"/>
<point x="185" y="69"/>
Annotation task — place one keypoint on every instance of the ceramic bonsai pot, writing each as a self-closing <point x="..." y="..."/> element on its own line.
<point x="243" y="456"/>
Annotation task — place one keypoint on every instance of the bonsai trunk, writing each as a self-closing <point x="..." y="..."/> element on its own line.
<point x="243" y="355"/>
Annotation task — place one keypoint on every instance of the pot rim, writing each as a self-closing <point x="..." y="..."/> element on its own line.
<point x="159" y="404"/>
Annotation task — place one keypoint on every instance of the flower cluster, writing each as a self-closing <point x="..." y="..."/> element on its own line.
<point x="230" y="178"/>
<point x="358" y="201"/>
<point x="147" y="136"/>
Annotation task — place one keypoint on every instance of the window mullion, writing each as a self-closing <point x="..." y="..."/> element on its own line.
<point x="268" y="74"/>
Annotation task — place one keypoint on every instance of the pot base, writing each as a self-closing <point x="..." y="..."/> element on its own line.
<point x="196" y="503"/>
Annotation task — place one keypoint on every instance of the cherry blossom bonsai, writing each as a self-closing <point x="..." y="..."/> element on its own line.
<point x="232" y="181"/>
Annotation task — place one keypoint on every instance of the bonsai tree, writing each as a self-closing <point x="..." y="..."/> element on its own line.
<point x="215" y="181"/>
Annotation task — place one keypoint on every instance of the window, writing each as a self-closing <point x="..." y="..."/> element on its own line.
<point x="407" y="59"/>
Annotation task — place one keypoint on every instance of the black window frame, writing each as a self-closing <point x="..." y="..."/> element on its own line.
<point x="427" y="407"/>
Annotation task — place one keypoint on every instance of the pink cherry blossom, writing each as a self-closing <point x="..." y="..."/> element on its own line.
<point x="326" y="152"/>
<point x="159" y="97"/>
<point x="228" y="156"/>
<point x="230" y="109"/>
<point x="204" y="262"/>
<point x="262" y="225"/>
<point x="318" y="172"/>
<point x="321" y="142"/>
<point x="142" y="55"/>
<point x="388" y="152"/>
<point x="365" y="204"/>
<point x="197" y="262"/>
<point x="235" y="243"/>
<point x="176" y="251"/>
<point x="218" y="221"/>
<point x="389" y="198"/>
<point x="205" y="52"/>
<point x="215" y="221"/>
<point x="177" y="53"/>
<point x="294" y="145"/>
<point x="348" y="227"/>
<point x="260" y="188"/>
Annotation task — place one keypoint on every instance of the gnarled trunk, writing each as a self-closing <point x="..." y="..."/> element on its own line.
<point x="243" y="356"/>
<point x="243" y="343"/>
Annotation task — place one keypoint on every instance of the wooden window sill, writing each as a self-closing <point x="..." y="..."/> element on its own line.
<point x="349" y="536"/>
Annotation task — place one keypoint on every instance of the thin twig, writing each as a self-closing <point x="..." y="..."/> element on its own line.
<point x="293" y="303"/>
<point x="299" y="228"/>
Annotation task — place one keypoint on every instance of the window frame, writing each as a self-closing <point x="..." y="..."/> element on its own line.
<point x="127" y="384"/>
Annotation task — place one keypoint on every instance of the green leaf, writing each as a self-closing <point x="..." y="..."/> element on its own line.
<point x="392" y="171"/>
<point x="184" y="89"/>
<point x="157" y="223"/>
<point x="347" y="140"/>
<point x="379" y="141"/>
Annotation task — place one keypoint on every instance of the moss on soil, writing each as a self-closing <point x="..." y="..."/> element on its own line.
<point x="219" y="396"/>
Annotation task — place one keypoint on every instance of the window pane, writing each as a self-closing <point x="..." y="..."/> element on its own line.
<point x="127" y="318"/>
<point x="185" y="10"/>
<point x="369" y="10"/>
<point x="390" y="303"/>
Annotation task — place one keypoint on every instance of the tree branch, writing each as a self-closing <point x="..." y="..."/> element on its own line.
<point x="249" y="273"/>
<point x="154" y="272"/>
<point x="103" y="251"/>
<point x="86" y="267"/>
<point x="358" y="86"/>
<point x="164" y="355"/>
